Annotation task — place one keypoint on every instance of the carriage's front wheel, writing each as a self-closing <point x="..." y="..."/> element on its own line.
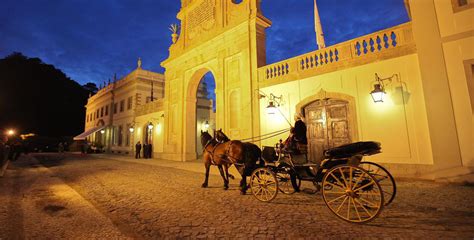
<point x="352" y="194"/>
<point x="264" y="184"/>
<point x="284" y="182"/>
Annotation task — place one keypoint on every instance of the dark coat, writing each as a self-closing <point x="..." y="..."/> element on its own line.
<point x="138" y="147"/>
<point x="300" y="132"/>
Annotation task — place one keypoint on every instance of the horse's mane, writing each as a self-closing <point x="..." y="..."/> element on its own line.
<point x="225" y="138"/>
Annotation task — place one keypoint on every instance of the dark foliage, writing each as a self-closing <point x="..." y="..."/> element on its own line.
<point x="38" y="98"/>
<point x="91" y="88"/>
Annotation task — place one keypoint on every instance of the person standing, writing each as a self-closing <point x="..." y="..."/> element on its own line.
<point x="138" y="149"/>
<point x="145" y="150"/>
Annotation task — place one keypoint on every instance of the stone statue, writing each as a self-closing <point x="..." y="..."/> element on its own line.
<point x="139" y="63"/>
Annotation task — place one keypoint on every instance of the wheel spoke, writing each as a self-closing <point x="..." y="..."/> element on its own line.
<point x="334" y="185"/>
<point x="335" y="199"/>
<point x="370" y="204"/>
<point x="358" y="180"/>
<point x="363" y="207"/>
<point x="357" y="211"/>
<point x="349" y="209"/>
<point x="340" y="206"/>
<point x="350" y="178"/>
<point x="335" y="178"/>
<point x="343" y="177"/>
<point x="369" y="194"/>
<point x="366" y="185"/>
<point x="327" y="192"/>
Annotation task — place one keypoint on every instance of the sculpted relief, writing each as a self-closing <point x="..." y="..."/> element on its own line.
<point x="201" y="18"/>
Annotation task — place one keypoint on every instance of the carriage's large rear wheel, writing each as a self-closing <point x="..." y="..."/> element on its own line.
<point x="352" y="194"/>
<point x="384" y="178"/>
<point x="264" y="184"/>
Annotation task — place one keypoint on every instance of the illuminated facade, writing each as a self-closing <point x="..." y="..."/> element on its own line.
<point x="425" y="67"/>
<point x="110" y="113"/>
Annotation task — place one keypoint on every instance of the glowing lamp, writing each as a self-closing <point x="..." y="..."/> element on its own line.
<point x="150" y="126"/>
<point x="102" y="131"/>
<point x="378" y="94"/>
<point x="131" y="129"/>
<point x="11" y="132"/>
<point x="271" y="108"/>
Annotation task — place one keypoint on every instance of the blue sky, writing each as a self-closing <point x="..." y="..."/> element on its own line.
<point x="92" y="40"/>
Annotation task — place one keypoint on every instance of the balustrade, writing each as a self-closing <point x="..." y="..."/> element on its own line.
<point x="347" y="54"/>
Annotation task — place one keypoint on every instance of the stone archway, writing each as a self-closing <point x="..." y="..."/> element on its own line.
<point x="190" y="143"/>
<point x="227" y="39"/>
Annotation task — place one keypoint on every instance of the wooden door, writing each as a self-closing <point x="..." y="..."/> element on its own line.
<point x="328" y="126"/>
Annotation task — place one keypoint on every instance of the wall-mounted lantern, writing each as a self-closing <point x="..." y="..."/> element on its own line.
<point x="274" y="102"/>
<point x="378" y="94"/>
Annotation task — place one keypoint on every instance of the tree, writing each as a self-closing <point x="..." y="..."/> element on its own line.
<point x="91" y="88"/>
<point x="35" y="97"/>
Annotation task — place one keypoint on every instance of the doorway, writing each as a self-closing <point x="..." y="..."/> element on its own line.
<point x="328" y="126"/>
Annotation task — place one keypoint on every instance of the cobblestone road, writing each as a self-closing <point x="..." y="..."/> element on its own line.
<point x="150" y="202"/>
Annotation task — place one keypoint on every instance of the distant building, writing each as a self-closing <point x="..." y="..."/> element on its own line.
<point x="110" y="113"/>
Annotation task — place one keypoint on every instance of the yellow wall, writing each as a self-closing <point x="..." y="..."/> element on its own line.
<point x="400" y="123"/>
<point x="457" y="38"/>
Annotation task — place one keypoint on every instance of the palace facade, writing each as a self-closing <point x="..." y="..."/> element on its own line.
<point x="423" y="69"/>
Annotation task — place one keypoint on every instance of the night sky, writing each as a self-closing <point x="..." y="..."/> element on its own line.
<point x="92" y="40"/>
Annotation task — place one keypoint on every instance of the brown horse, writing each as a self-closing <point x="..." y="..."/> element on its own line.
<point x="251" y="158"/>
<point x="223" y="155"/>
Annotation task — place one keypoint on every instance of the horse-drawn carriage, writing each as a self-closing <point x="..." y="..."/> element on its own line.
<point x="353" y="190"/>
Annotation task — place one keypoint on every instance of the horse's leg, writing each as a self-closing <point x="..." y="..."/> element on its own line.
<point x="226" y="181"/>
<point x="229" y="176"/>
<point x="226" y="169"/>
<point x="207" y="164"/>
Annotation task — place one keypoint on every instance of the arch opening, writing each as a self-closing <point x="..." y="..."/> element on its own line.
<point x="205" y="106"/>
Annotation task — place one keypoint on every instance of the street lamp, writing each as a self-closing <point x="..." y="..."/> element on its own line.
<point x="131" y="129"/>
<point x="10" y="132"/>
<point x="150" y="126"/>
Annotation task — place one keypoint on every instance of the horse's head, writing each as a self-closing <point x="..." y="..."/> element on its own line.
<point x="221" y="137"/>
<point x="205" y="138"/>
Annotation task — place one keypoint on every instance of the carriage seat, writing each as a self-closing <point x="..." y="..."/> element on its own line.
<point x="351" y="149"/>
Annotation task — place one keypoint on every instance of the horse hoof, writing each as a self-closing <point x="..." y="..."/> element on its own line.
<point x="242" y="193"/>
<point x="204" y="185"/>
<point x="226" y="188"/>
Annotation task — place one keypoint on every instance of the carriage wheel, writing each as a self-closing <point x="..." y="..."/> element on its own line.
<point x="352" y="194"/>
<point x="264" y="184"/>
<point x="284" y="182"/>
<point x="384" y="178"/>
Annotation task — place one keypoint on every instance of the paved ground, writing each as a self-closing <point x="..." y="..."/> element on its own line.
<point x="112" y="197"/>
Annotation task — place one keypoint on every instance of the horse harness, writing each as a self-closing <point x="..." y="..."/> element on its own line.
<point x="225" y="156"/>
